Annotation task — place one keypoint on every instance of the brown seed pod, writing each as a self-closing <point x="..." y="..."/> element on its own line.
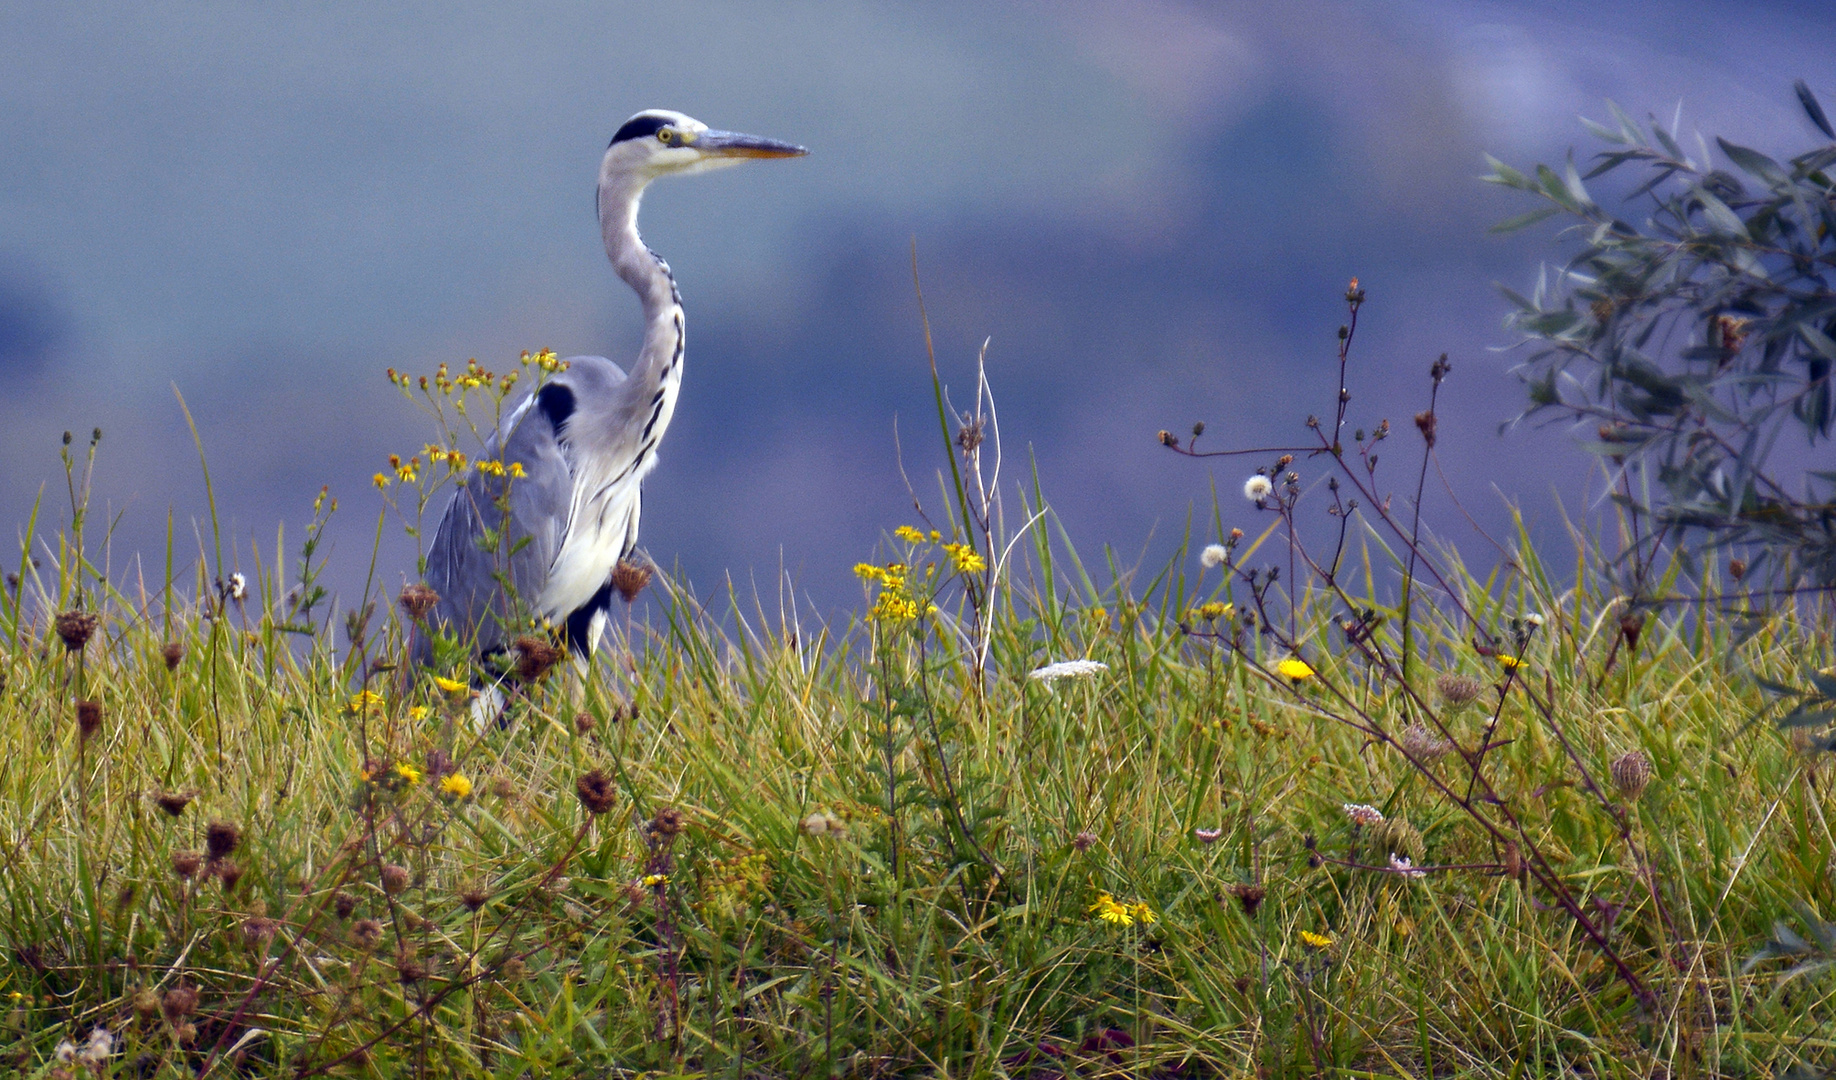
<point x="534" y="657"/>
<point x="76" y="628"/>
<point x="366" y="934"/>
<point x="1631" y="774"/>
<point x="394" y="879"/>
<point x="1513" y="860"/>
<point x="146" y="1003"/>
<point x="89" y="719"/>
<point x="1424" y="745"/>
<point x="417" y="600"/>
<point x="221" y="839"/>
<point x="1737" y="568"/>
<point x="668" y="824"/>
<point x="1249" y="897"/>
<point x="173" y="803"/>
<point x="172" y="652"/>
<point x="185" y="863"/>
<point x="343" y="904"/>
<point x="596" y="792"/>
<point x="258" y="931"/>
<point x="1457" y="690"/>
<point x="473" y="898"/>
<point x="178" y="1003"/>
<point x="584" y="723"/>
<point x="228" y="873"/>
<point x="503" y="787"/>
<point x="629" y="577"/>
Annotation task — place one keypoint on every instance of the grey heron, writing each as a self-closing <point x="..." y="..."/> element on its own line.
<point x="587" y="437"/>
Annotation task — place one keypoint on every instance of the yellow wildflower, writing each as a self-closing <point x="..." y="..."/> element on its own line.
<point x="936" y="536"/>
<point x="408" y="772"/>
<point x="965" y="559"/>
<point x="515" y="469"/>
<point x="1294" y="669"/>
<point x="1510" y="663"/>
<point x="380" y="481"/>
<point x="1142" y="913"/>
<point x="653" y="880"/>
<point x="457" y="785"/>
<point x="368" y="699"/>
<point x="909" y="534"/>
<point x="1213" y="610"/>
<point x="1110" y="911"/>
<point x="1316" y="941"/>
<point x="451" y="686"/>
<point x="418" y="712"/>
<point x="866" y="571"/>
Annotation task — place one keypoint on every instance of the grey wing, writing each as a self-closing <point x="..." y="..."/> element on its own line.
<point x="474" y="545"/>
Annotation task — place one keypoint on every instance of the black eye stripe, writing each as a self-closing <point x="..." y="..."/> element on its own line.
<point x="639" y="127"/>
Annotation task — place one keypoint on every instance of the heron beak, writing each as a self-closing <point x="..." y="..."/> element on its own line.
<point x="731" y="144"/>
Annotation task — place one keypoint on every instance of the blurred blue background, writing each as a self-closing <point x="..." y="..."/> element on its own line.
<point x="1151" y="207"/>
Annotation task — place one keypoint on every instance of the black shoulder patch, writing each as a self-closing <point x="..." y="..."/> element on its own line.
<point x="639" y="127"/>
<point x="557" y="403"/>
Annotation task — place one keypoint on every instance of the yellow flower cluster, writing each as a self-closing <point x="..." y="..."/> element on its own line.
<point x="365" y="700"/>
<point x="965" y="559"/>
<point x="1110" y="910"/>
<point x="452" y="459"/>
<point x="409" y="774"/>
<point x="1316" y="941"/>
<point x="546" y="360"/>
<point x="493" y="467"/>
<point x="913" y="536"/>
<point x="1211" y="611"/>
<point x="895" y="603"/>
<point x="456" y="784"/>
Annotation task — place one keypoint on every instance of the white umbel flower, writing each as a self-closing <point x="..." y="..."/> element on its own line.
<point x="1257" y="488"/>
<point x="1212" y="556"/>
<point x="1362" y="814"/>
<point x="1068" y="669"/>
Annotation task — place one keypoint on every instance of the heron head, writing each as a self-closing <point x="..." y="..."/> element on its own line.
<point x="660" y="142"/>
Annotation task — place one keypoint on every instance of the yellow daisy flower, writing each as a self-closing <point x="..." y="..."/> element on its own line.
<point x="1294" y="669"/>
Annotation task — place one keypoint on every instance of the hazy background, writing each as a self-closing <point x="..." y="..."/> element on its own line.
<point x="1152" y="208"/>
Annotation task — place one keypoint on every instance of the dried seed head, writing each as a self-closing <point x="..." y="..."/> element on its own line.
<point x="76" y="628"/>
<point x="629" y="577"/>
<point x="1737" y="568"/>
<point x="185" y="863"/>
<point x="1458" y="690"/>
<point x="258" y="931"/>
<point x="1084" y="841"/>
<point x="668" y="824"/>
<point x="178" y="1003"/>
<point x="1425" y="423"/>
<point x="970" y="436"/>
<point x="343" y="903"/>
<point x="228" y="873"/>
<point x="534" y="657"/>
<point x="173" y="803"/>
<point x="366" y="934"/>
<point x="1424" y="745"/>
<point x="584" y="723"/>
<point x="1398" y="836"/>
<point x="417" y="600"/>
<point x="89" y="718"/>
<point x="1631" y="625"/>
<point x="503" y="787"/>
<point x="514" y="970"/>
<point x="146" y="1003"/>
<point x="1249" y="897"/>
<point x="172" y="652"/>
<point x="394" y="879"/>
<point x="408" y="968"/>
<point x="473" y="898"/>
<point x="1513" y="860"/>
<point x="221" y="839"/>
<point x="1631" y="773"/>
<point x="596" y="792"/>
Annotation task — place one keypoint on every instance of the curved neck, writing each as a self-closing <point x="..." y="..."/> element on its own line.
<point x="647" y="274"/>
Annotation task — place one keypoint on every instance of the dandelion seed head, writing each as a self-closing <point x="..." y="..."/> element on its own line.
<point x="1257" y="488"/>
<point x="1213" y="556"/>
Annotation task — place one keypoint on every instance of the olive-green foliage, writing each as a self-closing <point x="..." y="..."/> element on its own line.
<point x="1694" y="335"/>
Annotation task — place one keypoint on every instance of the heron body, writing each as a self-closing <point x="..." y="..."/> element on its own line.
<point x="587" y="438"/>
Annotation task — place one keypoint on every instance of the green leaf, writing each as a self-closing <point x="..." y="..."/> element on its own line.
<point x="1721" y="219"/>
<point x="1818" y="340"/>
<point x="1753" y="162"/>
<point x="1512" y="224"/>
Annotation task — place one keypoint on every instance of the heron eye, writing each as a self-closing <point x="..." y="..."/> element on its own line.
<point x="664" y="134"/>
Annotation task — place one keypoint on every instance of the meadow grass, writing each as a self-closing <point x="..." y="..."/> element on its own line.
<point x="832" y="851"/>
<point x="1511" y="824"/>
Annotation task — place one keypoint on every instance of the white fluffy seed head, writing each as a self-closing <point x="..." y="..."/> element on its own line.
<point x="1212" y="556"/>
<point x="1068" y="669"/>
<point x="1257" y="488"/>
